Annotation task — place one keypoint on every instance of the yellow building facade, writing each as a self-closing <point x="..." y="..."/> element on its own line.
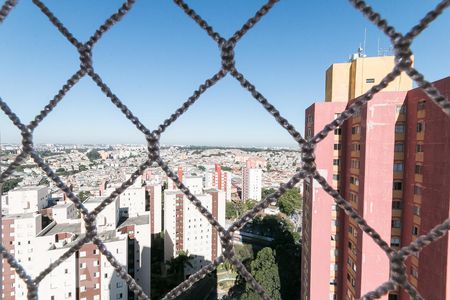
<point x="346" y="81"/>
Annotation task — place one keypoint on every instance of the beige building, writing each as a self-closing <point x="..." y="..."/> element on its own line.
<point x="345" y="81"/>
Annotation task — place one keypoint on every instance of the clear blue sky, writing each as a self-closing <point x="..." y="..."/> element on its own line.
<point x="156" y="56"/>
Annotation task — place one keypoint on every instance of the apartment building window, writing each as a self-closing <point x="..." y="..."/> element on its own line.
<point x="420" y="126"/>
<point x="396" y="223"/>
<point x="393" y="297"/>
<point x="338" y="131"/>
<point x="398" y="185"/>
<point x="396" y="204"/>
<point x="416" y="210"/>
<point x="334" y="237"/>
<point x="414" y="272"/>
<point x="399" y="147"/>
<point x="395" y="241"/>
<point x="417" y="190"/>
<point x="419" y="148"/>
<point x="337" y="146"/>
<point x="418" y="169"/>
<point x="82" y="265"/>
<point x="350" y="245"/>
<point x="356" y="129"/>
<point x="349" y="261"/>
<point x="421" y="105"/>
<point x="119" y="296"/>
<point x="415" y="230"/>
<point x="336" y="177"/>
<point x="401" y="109"/>
<point x="398" y="167"/>
<point x="356" y="147"/>
<point x="82" y="277"/>
<point x="336" y="162"/>
<point x="308" y="132"/>
<point x="400" y="128"/>
<point x="370" y="80"/>
<point x="354" y="163"/>
<point x="357" y="112"/>
<point x="333" y="267"/>
<point x="353" y="197"/>
<point x="354" y="180"/>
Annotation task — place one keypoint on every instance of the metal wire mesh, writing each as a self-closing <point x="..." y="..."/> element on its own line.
<point x="401" y="44"/>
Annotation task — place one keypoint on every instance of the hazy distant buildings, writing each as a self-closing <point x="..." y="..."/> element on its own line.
<point x="384" y="160"/>
<point x="251" y="181"/>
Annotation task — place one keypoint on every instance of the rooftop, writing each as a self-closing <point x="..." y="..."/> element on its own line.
<point x="29" y="188"/>
<point x="62" y="227"/>
<point x="139" y="220"/>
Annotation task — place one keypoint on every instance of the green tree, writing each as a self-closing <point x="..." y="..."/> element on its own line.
<point x="250" y="203"/>
<point x="60" y="170"/>
<point x="266" y="192"/>
<point x="83" y="195"/>
<point x="234" y="210"/>
<point x="290" y="201"/>
<point x="265" y="271"/>
<point x="178" y="264"/>
<point x="230" y="211"/>
<point x="93" y="155"/>
<point x="44" y="181"/>
<point x="11" y="184"/>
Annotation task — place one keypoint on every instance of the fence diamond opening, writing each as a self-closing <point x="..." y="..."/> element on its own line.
<point x="403" y="63"/>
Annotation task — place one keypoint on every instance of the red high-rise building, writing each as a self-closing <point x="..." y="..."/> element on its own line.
<point x="391" y="161"/>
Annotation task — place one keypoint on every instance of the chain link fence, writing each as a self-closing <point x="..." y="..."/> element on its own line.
<point x="401" y="44"/>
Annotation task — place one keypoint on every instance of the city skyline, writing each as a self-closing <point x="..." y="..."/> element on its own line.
<point x="143" y="73"/>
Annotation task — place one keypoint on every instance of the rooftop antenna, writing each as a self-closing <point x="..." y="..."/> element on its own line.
<point x="364" y="44"/>
<point x="378" y="47"/>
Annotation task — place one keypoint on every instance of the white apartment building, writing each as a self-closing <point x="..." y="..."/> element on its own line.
<point x="18" y="237"/>
<point x="139" y="230"/>
<point x="218" y="179"/>
<point x="108" y="218"/>
<point x="186" y="229"/>
<point x="63" y="211"/>
<point x="154" y="199"/>
<point x="132" y="201"/>
<point x="251" y="183"/>
<point x="85" y="275"/>
<point x="27" y="199"/>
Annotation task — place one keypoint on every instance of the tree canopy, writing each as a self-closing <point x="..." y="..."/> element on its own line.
<point x="265" y="271"/>
<point x="234" y="210"/>
<point x="290" y="201"/>
<point x="11" y="184"/>
<point x="93" y="155"/>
